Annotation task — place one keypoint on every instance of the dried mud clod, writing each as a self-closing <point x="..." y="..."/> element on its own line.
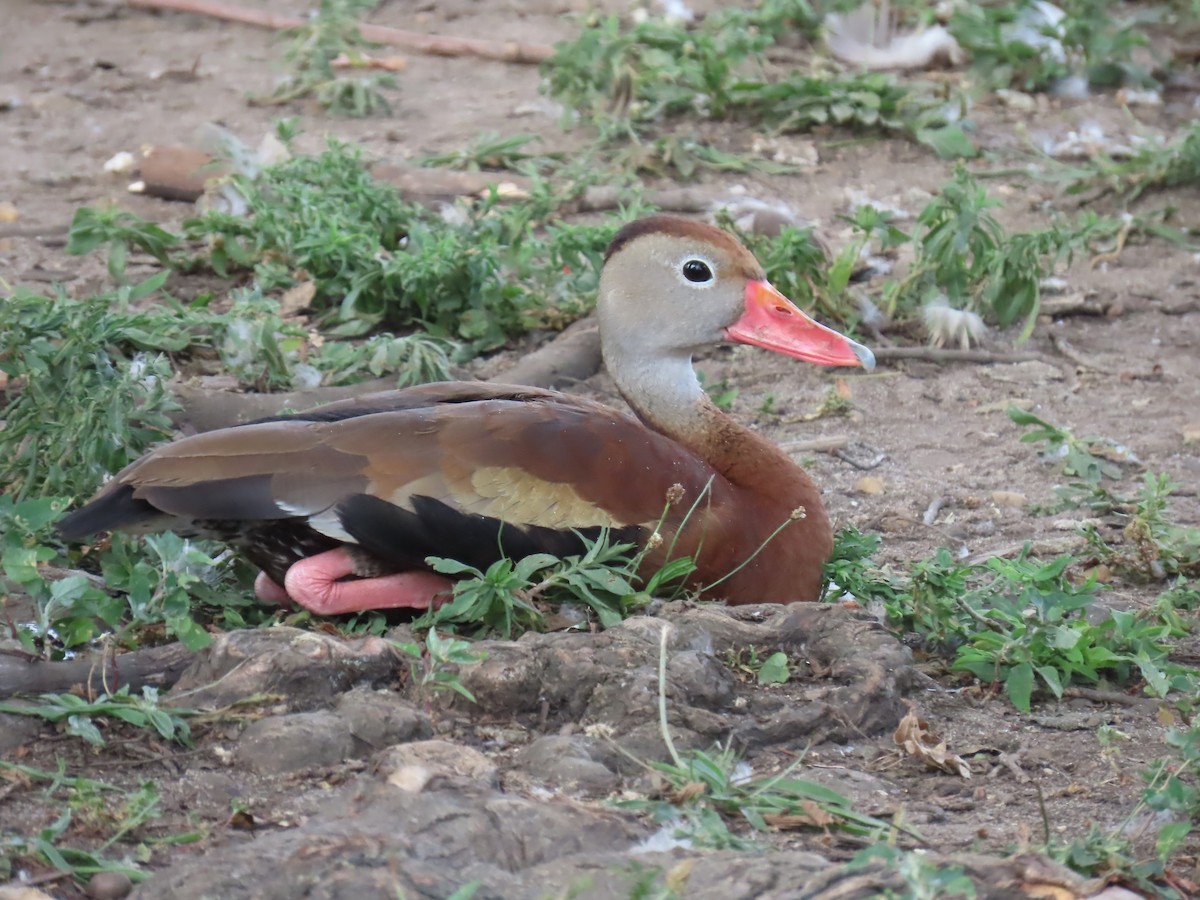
<point x="427" y="816"/>
<point x="307" y="669"/>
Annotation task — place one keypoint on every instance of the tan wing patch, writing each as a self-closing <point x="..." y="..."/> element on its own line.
<point x="514" y="495"/>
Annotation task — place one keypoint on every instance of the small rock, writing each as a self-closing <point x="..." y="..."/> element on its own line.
<point x="363" y="722"/>
<point x="566" y="763"/>
<point x="433" y="759"/>
<point x="379" y="719"/>
<point x="410" y="778"/>
<point x="1191" y="433"/>
<point x="869" y="484"/>
<point x="982" y="528"/>
<point x="15" y="730"/>
<point x="9" y="211"/>
<point x="279" y="744"/>
<point x="1016" y="100"/>
<point x="306" y="667"/>
<point x="109" y="886"/>
<point x="1008" y="498"/>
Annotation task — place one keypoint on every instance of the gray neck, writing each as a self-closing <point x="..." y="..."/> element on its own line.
<point x="663" y="390"/>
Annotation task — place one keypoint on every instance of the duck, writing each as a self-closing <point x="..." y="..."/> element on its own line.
<point x="341" y="506"/>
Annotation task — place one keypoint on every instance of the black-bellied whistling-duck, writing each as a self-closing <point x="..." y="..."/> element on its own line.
<point x="370" y="487"/>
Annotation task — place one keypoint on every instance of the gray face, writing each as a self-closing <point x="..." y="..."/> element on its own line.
<point x="666" y="294"/>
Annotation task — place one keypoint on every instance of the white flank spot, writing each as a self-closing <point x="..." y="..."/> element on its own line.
<point x="329" y="524"/>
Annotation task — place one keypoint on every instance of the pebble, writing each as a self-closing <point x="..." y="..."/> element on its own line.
<point x="869" y="484"/>
<point x="1008" y="498"/>
<point x="109" y="886"/>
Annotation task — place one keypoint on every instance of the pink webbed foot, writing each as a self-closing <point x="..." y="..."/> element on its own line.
<point x="266" y="590"/>
<point x="314" y="584"/>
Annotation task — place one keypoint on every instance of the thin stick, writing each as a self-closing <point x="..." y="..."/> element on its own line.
<point x="1063" y="346"/>
<point x="1115" y="252"/>
<point x="415" y="41"/>
<point x="942" y="355"/>
<point x="821" y="444"/>
<point x="1098" y="696"/>
<point x="33" y="231"/>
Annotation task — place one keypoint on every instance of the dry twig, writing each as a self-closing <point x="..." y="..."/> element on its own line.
<point x="1063" y="346"/>
<point x="943" y="355"/>
<point x="415" y="41"/>
<point x="159" y="666"/>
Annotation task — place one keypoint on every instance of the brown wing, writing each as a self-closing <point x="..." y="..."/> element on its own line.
<point x="419" y="466"/>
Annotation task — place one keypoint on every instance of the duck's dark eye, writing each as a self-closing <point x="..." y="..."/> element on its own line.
<point x="697" y="270"/>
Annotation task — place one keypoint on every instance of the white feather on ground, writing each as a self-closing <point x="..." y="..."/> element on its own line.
<point x="946" y="325"/>
<point x="865" y="38"/>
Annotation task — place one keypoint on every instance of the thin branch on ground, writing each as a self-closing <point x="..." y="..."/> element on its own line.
<point x="943" y="355"/>
<point x="1063" y="346"/>
<point x="415" y="41"/>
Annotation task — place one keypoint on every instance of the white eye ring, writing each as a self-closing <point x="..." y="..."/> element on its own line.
<point x="697" y="271"/>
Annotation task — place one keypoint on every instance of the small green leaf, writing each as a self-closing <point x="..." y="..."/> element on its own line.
<point x="83" y="727"/>
<point x="774" y="669"/>
<point x="948" y="142"/>
<point x="1019" y="684"/>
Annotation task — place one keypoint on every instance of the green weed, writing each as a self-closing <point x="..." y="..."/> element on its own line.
<point x="1021" y="624"/>
<point x="1159" y="548"/>
<point x="631" y="80"/>
<point x="964" y="256"/>
<point x="923" y="879"/>
<point x="1012" y="46"/>
<point x="603" y="579"/>
<point x="487" y="151"/>
<point x="92" y="378"/>
<point x="1088" y="458"/>
<point x="268" y="352"/>
<point x="1154" y="165"/>
<point x="121" y="231"/>
<point x="81" y="715"/>
<point x="429" y="669"/>
<point x="331" y="33"/>
<point x="772" y="669"/>
<point x="95" y="813"/>
<point x="378" y="261"/>
<point x="1169" y="803"/>
<point x="176" y="584"/>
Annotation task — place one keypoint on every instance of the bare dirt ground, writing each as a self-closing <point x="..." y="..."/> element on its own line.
<point x="517" y="799"/>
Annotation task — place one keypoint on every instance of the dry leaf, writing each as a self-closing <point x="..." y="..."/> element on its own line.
<point x="914" y="738"/>
<point x="1008" y="498"/>
<point x="386" y="63"/>
<point x="297" y="298"/>
<point x="242" y="821"/>
<point x="813" y="816"/>
<point x="677" y="878"/>
<point x="688" y="792"/>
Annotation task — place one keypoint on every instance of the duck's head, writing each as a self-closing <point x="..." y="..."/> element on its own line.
<point x="671" y="286"/>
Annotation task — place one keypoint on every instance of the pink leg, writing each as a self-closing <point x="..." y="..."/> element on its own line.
<point x="314" y="584"/>
<point x="269" y="592"/>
